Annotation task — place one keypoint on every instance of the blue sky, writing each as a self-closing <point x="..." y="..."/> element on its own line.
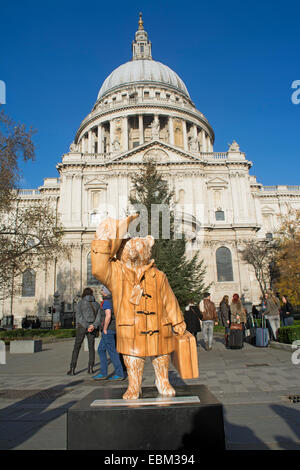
<point x="238" y="60"/>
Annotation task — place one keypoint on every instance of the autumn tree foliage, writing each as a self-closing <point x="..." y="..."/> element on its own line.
<point x="288" y="256"/>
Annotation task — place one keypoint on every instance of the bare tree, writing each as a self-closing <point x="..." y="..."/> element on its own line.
<point x="15" y="144"/>
<point x="30" y="233"/>
<point x="30" y="238"/>
<point x="261" y="254"/>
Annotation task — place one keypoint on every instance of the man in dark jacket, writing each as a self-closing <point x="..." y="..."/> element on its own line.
<point x="88" y="321"/>
<point x="286" y="312"/>
<point x="192" y="317"/>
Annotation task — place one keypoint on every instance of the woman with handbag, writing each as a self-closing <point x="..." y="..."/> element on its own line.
<point x="237" y="310"/>
<point x="88" y="322"/>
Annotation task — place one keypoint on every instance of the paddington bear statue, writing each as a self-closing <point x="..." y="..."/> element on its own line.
<point x="146" y="309"/>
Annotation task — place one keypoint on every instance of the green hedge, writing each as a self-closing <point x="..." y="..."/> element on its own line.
<point x="288" y="334"/>
<point x="9" y="335"/>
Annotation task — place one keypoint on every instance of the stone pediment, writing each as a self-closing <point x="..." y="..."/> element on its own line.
<point x="95" y="183"/>
<point x="161" y="152"/>
<point x="217" y="183"/>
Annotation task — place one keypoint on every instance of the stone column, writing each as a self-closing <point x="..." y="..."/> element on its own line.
<point x="208" y="146"/>
<point x="195" y="133"/>
<point x="171" y="131"/>
<point x="100" y="139"/>
<point x="111" y="135"/>
<point x="90" y="141"/>
<point x="141" y="129"/>
<point x="203" y="141"/>
<point x="125" y="133"/>
<point x="83" y="143"/>
<point x="184" y="132"/>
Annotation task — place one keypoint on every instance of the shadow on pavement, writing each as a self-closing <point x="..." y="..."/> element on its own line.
<point x="23" y="419"/>
<point x="241" y="437"/>
<point x="292" y="418"/>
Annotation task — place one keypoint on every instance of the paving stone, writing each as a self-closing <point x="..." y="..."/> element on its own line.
<point x="224" y="371"/>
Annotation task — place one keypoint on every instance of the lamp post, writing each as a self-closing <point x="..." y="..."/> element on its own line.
<point x="56" y="310"/>
<point x="75" y="302"/>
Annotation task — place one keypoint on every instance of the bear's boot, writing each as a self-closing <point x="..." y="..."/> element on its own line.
<point x="161" y="368"/>
<point x="135" y="368"/>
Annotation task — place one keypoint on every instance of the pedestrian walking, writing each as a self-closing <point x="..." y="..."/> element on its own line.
<point x="225" y="316"/>
<point x="88" y="322"/>
<point x="192" y="318"/>
<point x="108" y="340"/>
<point x="210" y="318"/>
<point x="286" y="312"/>
<point x="272" y="312"/>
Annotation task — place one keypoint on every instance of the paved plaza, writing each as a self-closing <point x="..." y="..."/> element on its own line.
<point x="254" y="385"/>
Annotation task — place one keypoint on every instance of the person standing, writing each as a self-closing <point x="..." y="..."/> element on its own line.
<point x="108" y="340"/>
<point x="210" y="318"/>
<point x="88" y="321"/>
<point x="237" y="310"/>
<point x="192" y="317"/>
<point x="272" y="312"/>
<point x="286" y="312"/>
<point x="225" y="316"/>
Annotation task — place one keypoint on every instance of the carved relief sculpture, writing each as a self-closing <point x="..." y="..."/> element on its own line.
<point x="145" y="306"/>
<point x="116" y="145"/>
<point x="234" y="147"/>
<point x="193" y="144"/>
<point x="155" y="128"/>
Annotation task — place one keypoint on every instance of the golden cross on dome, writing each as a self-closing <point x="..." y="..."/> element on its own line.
<point x="141" y="23"/>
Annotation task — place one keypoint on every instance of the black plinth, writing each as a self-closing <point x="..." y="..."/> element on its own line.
<point x="197" y="426"/>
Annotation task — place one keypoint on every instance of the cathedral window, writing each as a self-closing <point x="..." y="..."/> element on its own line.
<point x="269" y="236"/>
<point x="90" y="279"/>
<point x="28" y="283"/>
<point x="224" y="264"/>
<point x="220" y="215"/>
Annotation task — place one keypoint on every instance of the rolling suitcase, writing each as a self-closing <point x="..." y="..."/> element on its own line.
<point x="262" y="334"/>
<point x="236" y="336"/>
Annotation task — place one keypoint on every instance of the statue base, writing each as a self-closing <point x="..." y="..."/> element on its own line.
<point x="103" y="421"/>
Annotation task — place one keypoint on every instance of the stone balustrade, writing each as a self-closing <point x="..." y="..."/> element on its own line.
<point x="280" y="188"/>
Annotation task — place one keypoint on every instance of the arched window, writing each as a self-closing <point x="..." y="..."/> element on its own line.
<point x="224" y="264"/>
<point x="90" y="279"/>
<point x="181" y="196"/>
<point x="28" y="283"/>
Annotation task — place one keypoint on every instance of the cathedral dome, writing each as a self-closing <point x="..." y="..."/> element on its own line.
<point x="145" y="71"/>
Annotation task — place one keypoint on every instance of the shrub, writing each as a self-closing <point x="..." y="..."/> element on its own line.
<point x="10" y="335"/>
<point x="288" y="334"/>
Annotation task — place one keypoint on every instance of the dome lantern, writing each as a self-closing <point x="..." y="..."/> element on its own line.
<point x="141" y="46"/>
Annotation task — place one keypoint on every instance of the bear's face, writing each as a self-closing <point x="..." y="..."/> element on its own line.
<point x="136" y="251"/>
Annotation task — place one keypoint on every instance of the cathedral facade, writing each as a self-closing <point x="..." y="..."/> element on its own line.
<point x="144" y="111"/>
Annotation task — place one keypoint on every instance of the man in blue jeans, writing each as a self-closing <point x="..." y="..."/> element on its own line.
<point x="108" y="341"/>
